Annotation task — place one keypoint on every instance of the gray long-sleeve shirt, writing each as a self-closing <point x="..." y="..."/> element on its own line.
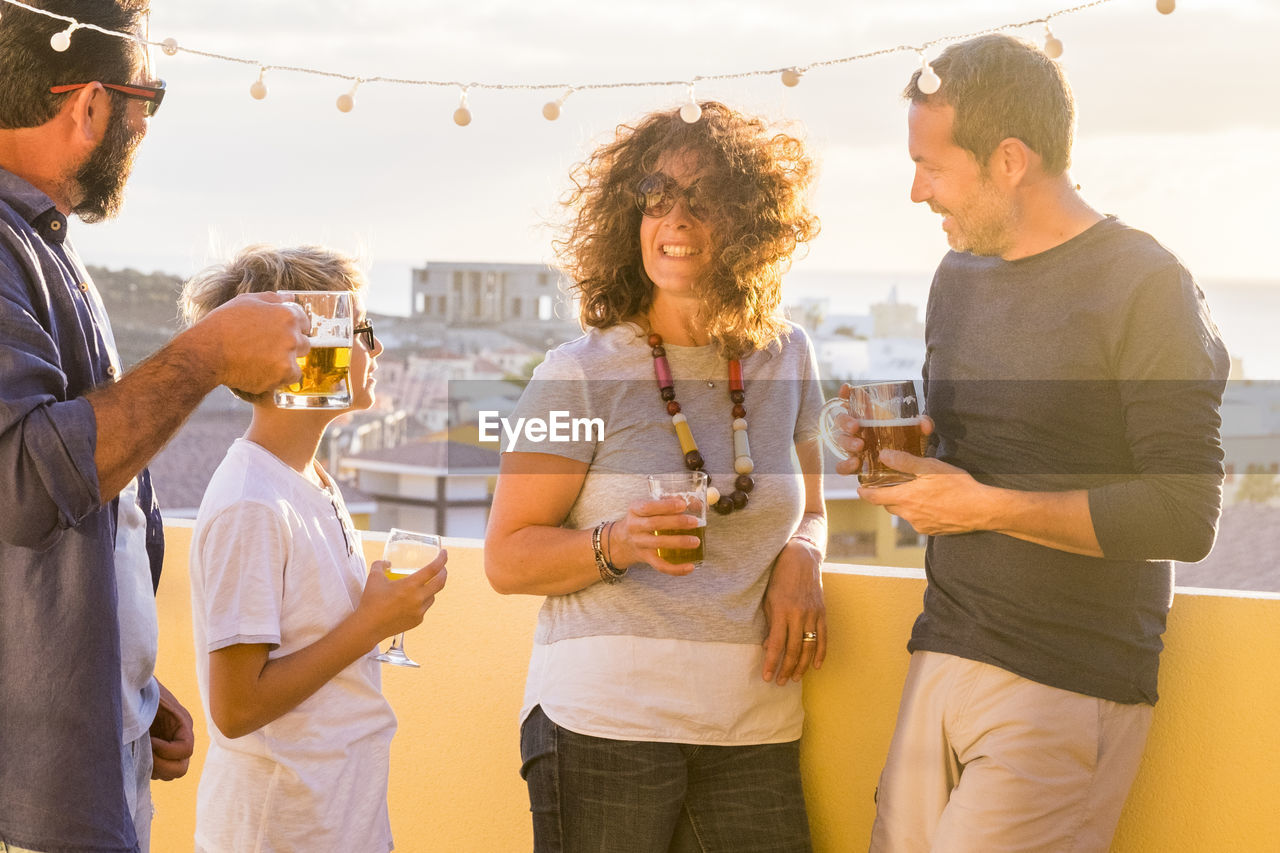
<point x="1093" y="365"/>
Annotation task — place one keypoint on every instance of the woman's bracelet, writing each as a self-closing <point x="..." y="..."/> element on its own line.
<point x="609" y="573"/>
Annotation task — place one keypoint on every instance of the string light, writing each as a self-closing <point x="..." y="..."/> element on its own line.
<point x="928" y="82"/>
<point x="62" y="40"/>
<point x="347" y="101"/>
<point x="551" y="109"/>
<point x="790" y="75"/>
<point x="462" y="115"/>
<point x="258" y="90"/>
<point x="1165" y="7"/>
<point x="1052" y="45"/>
<point x="691" y="112"/>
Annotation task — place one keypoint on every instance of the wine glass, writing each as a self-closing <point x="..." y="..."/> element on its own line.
<point x="406" y="552"/>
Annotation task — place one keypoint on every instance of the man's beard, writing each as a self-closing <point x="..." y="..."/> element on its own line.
<point x="102" y="177"/>
<point x="988" y="222"/>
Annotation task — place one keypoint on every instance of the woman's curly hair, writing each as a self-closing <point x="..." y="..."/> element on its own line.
<point x="757" y="182"/>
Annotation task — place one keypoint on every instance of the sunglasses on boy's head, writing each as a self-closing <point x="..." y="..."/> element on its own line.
<point x="153" y="95"/>
<point x="657" y="194"/>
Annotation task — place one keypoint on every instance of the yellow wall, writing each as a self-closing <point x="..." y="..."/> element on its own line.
<point x="1210" y="780"/>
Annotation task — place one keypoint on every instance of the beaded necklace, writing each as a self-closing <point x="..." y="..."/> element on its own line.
<point x="742" y="464"/>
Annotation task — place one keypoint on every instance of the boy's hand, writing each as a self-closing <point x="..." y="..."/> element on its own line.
<point x="393" y="606"/>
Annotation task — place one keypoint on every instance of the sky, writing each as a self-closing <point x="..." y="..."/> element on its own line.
<point x="1178" y="128"/>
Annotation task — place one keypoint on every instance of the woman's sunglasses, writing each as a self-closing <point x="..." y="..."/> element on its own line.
<point x="656" y="195"/>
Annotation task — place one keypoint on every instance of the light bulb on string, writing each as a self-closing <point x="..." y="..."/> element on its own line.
<point x="691" y="112"/>
<point x="258" y="90"/>
<point x="928" y="82"/>
<point x="62" y="40"/>
<point x="346" y="102"/>
<point x="462" y="115"/>
<point x="551" y="109"/>
<point x="1052" y="45"/>
<point x="1165" y="7"/>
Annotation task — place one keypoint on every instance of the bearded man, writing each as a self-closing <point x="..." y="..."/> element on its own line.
<point x="81" y="541"/>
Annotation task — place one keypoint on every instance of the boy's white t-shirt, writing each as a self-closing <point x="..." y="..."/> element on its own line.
<point x="276" y="560"/>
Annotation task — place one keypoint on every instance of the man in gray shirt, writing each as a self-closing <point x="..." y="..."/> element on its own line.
<point x="1073" y="378"/>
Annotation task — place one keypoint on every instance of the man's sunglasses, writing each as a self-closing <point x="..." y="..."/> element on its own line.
<point x="657" y="194"/>
<point x="364" y="332"/>
<point x="153" y="95"/>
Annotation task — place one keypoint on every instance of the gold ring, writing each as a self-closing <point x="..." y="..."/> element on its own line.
<point x="809" y="637"/>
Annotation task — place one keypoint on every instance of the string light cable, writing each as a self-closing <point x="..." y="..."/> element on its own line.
<point x="790" y="75"/>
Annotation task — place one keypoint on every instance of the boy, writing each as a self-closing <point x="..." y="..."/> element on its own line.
<point x="286" y="619"/>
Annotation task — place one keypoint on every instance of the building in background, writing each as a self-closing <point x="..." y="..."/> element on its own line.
<point x="475" y="293"/>
<point x="437" y="486"/>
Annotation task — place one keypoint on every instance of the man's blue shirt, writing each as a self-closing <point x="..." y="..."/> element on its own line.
<point x="61" y="782"/>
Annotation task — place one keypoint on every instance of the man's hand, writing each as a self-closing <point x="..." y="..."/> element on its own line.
<point x="255" y="341"/>
<point x="941" y="499"/>
<point x="172" y="738"/>
<point x="848" y="435"/>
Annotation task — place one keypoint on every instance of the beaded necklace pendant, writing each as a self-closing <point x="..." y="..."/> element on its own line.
<point x="742" y="463"/>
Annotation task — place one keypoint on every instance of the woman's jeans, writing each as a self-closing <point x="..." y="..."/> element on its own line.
<point x="595" y="795"/>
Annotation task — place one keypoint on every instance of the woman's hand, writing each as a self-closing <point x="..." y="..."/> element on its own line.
<point x="793" y="607"/>
<point x="635" y="537"/>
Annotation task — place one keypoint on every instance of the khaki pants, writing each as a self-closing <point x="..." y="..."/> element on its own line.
<point x="983" y="760"/>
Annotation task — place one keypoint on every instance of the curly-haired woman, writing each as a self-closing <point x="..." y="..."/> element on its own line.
<point x="662" y="710"/>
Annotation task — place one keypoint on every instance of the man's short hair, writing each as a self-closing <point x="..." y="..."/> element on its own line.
<point x="29" y="66"/>
<point x="263" y="269"/>
<point x="1001" y="87"/>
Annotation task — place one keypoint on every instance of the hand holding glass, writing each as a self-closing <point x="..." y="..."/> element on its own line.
<point x="692" y="486"/>
<point x="323" y="384"/>
<point x="406" y="552"/>
<point x="889" y="419"/>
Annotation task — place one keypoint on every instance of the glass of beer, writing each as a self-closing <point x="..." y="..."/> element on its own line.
<point x="889" y="417"/>
<point x="692" y="486"/>
<point x="406" y="552"/>
<point x="323" y="384"/>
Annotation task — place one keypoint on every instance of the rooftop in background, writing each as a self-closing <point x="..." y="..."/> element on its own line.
<point x="443" y="457"/>
<point x="1246" y="555"/>
<point x="183" y="467"/>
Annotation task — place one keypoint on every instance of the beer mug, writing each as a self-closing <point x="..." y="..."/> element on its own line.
<point x="323" y="384"/>
<point x="692" y="486"/>
<point x="889" y="417"/>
